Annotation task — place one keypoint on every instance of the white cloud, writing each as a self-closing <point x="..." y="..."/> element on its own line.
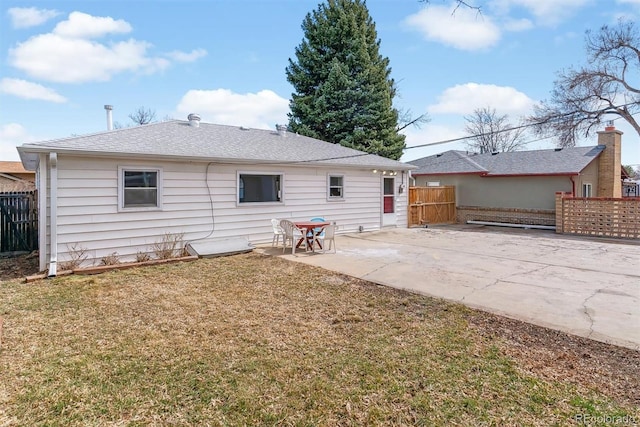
<point x="430" y="134"/>
<point x="52" y="57"/>
<point x="26" y="17"/>
<point x="11" y="136"/>
<point x="82" y="25"/>
<point x="462" y="28"/>
<point x="547" y="12"/>
<point x="465" y="98"/>
<point x="70" y="55"/>
<point x="260" y="110"/>
<point x="29" y="90"/>
<point x="179" y="56"/>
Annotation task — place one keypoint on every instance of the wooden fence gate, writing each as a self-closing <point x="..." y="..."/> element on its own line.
<point x="18" y="222"/>
<point x="432" y="205"/>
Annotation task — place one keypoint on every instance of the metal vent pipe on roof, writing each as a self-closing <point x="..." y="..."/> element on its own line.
<point x="282" y="130"/>
<point x="194" y="120"/>
<point x="108" y="109"/>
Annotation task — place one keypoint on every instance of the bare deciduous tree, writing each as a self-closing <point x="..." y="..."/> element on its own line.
<point x="459" y="3"/>
<point x="583" y="98"/>
<point x="491" y="132"/>
<point x="406" y="119"/>
<point x="142" y="116"/>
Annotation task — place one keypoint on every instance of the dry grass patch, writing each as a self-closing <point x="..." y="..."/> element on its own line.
<point x="255" y="340"/>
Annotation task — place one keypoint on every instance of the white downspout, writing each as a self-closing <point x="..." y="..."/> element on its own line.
<point x="53" y="220"/>
<point x="42" y="209"/>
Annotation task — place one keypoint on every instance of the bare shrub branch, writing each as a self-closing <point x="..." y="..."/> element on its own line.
<point x="169" y="246"/>
<point x="78" y="255"/>
<point x="142" y="257"/>
<point x="111" y="259"/>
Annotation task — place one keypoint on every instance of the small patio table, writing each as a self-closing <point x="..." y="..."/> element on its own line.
<point x="312" y="229"/>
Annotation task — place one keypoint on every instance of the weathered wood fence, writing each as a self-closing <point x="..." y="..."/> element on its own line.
<point x="18" y="222"/>
<point x="596" y="216"/>
<point x="432" y="205"/>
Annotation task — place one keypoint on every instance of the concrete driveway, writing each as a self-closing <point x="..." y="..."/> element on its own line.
<point x="582" y="286"/>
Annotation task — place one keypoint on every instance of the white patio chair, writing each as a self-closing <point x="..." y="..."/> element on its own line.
<point x="292" y="234"/>
<point x="328" y="237"/>
<point x="277" y="232"/>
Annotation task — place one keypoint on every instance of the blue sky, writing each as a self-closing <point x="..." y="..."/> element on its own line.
<point x="62" y="61"/>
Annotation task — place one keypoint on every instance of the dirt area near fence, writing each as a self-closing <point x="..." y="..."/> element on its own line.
<point x="18" y="267"/>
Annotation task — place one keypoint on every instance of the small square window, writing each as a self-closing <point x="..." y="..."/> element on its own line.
<point x="586" y="190"/>
<point x="139" y="189"/>
<point x="336" y="187"/>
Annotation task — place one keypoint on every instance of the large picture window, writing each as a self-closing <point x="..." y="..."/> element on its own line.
<point x="259" y="188"/>
<point x="139" y="188"/>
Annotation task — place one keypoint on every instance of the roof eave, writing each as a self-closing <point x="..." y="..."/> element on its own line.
<point x="505" y="175"/>
<point x="30" y="153"/>
<point x="446" y="173"/>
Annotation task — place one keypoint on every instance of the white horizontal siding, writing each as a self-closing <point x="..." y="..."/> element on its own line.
<point x="88" y="213"/>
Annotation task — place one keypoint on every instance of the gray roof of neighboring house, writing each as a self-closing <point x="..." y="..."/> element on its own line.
<point x="176" y="139"/>
<point x="566" y="161"/>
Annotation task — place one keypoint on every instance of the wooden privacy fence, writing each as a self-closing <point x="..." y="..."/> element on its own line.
<point x="18" y="222"/>
<point x="432" y="205"/>
<point x="597" y="216"/>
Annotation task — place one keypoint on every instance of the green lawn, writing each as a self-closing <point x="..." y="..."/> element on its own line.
<point x="257" y="340"/>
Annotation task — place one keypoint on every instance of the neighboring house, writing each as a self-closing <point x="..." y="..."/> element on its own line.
<point x="630" y="186"/>
<point x="123" y="190"/>
<point x="519" y="187"/>
<point x="14" y="177"/>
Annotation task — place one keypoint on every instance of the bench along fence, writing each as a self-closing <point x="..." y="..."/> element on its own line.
<point x="432" y="205"/>
<point x="597" y="216"/>
<point x="18" y="222"/>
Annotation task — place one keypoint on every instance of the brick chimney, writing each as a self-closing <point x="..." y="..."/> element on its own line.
<point x="609" y="162"/>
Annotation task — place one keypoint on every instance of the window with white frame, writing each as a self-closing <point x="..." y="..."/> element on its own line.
<point x="139" y="188"/>
<point x="259" y="188"/>
<point x="335" y="186"/>
<point x="586" y="190"/>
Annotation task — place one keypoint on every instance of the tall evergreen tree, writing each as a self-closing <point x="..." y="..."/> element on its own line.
<point x="343" y="89"/>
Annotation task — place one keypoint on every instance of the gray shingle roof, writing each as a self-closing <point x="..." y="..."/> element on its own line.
<point x="535" y="162"/>
<point x="176" y="139"/>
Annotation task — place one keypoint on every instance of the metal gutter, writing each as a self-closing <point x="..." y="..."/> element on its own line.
<point x="42" y="210"/>
<point x="53" y="215"/>
<point x="503" y="175"/>
<point x="479" y="173"/>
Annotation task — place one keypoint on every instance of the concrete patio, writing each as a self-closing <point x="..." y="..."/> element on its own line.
<point x="583" y="286"/>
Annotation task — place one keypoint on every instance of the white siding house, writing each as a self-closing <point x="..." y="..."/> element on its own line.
<point x="122" y="191"/>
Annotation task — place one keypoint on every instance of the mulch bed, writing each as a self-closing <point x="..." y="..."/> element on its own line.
<point x="19" y="267"/>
